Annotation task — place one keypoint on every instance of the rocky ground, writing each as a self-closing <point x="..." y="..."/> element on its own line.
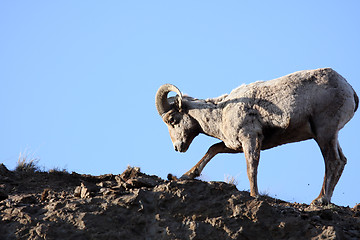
<point x="133" y="205"/>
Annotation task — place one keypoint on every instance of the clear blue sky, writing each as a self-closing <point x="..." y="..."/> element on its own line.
<point x="78" y="81"/>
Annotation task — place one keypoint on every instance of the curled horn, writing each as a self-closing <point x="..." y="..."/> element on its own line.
<point x="161" y="101"/>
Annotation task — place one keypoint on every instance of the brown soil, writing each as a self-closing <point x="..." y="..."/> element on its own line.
<point x="133" y="205"/>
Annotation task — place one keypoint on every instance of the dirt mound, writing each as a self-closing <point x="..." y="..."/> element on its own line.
<point x="133" y="205"/>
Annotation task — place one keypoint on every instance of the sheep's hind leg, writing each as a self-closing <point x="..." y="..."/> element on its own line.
<point x="334" y="165"/>
<point x="213" y="150"/>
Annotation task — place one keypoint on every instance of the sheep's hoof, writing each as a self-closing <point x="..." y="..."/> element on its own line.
<point x="190" y="175"/>
<point x="186" y="177"/>
<point x="320" y="201"/>
<point x="171" y="177"/>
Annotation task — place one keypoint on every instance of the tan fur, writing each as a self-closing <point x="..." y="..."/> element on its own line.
<point x="313" y="104"/>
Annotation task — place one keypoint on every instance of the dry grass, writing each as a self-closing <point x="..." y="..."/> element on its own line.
<point x="27" y="163"/>
<point x="231" y="180"/>
<point x="265" y="193"/>
<point x="57" y="170"/>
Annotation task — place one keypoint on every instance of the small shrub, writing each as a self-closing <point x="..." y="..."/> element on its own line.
<point x="27" y="163"/>
<point x="265" y="193"/>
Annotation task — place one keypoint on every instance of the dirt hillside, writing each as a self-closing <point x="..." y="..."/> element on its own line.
<point x="133" y="205"/>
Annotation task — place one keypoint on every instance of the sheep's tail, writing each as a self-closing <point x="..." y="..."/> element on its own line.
<point x="356" y="98"/>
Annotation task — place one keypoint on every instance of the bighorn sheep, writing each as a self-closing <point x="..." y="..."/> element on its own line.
<point x="311" y="104"/>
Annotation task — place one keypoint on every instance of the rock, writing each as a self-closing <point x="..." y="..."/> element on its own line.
<point x="4" y="171"/>
<point x="134" y="205"/>
<point x="86" y="190"/>
<point x="45" y="194"/>
<point x="3" y="195"/>
<point x="142" y="181"/>
<point x="119" y="180"/>
<point x="5" y="174"/>
<point x="77" y="191"/>
<point x="131" y="172"/>
<point x="25" y="199"/>
<point x="326" y="215"/>
<point x="356" y="209"/>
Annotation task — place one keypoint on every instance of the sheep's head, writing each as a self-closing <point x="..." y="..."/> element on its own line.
<point x="182" y="127"/>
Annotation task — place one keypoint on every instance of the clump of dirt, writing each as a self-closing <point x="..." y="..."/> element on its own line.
<point x="134" y="205"/>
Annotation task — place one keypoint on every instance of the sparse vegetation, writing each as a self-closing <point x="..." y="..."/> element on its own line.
<point x="265" y="193"/>
<point x="57" y="170"/>
<point x="231" y="180"/>
<point x="27" y="163"/>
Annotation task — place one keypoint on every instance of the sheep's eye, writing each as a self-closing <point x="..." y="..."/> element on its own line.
<point x="172" y="121"/>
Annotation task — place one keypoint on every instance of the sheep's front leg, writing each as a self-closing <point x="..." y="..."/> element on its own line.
<point x="213" y="150"/>
<point x="252" y="147"/>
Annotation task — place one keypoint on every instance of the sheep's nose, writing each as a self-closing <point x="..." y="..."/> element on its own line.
<point x="178" y="146"/>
